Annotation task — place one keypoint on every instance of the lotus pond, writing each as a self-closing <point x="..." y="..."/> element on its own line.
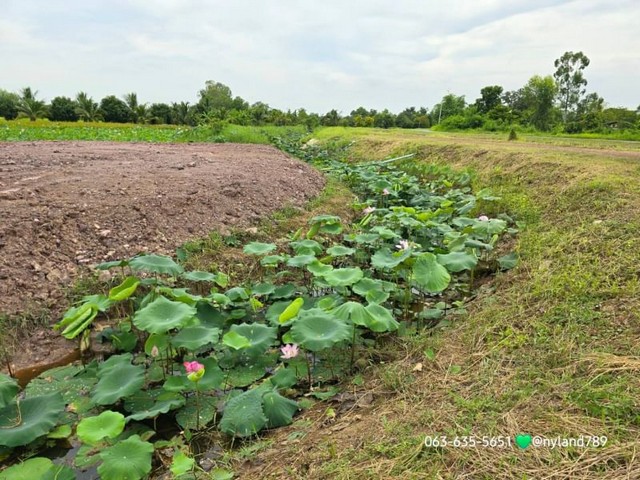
<point x="199" y="358"/>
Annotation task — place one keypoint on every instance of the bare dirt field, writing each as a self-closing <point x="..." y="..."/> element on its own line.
<point x="67" y="205"/>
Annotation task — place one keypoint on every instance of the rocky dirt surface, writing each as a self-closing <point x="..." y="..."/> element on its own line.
<point x="67" y="205"/>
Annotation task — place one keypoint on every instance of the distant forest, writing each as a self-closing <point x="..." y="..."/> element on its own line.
<point x="559" y="103"/>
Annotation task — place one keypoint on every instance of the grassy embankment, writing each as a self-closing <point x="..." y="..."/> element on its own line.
<point x="551" y="348"/>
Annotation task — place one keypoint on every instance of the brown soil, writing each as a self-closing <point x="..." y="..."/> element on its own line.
<point x="65" y="206"/>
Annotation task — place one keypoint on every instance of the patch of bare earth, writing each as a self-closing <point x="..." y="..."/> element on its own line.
<point x="65" y="206"/>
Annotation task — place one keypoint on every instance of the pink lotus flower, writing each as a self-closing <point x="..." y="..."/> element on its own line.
<point x="483" y="218"/>
<point x="289" y="351"/>
<point x="369" y="210"/>
<point x="154" y="351"/>
<point x="193" y="367"/>
<point x="385" y="191"/>
<point x="403" y="245"/>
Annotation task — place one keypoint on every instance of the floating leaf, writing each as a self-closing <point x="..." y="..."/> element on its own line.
<point x="429" y="274"/>
<point x="197" y="413"/>
<point x="458" y="261"/>
<point x="261" y="337"/>
<point x="195" y="337"/>
<point x="243" y="415"/>
<point x="91" y="430"/>
<point x="340" y="251"/>
<point x="163" y="315"/>
<point x="117" y="379"/>
<point x="316" y="330"/>
<point x="384" y="258"/>
<point x="258" y="248"/>
<point x="31" y="469"/>
<point x="156" y="264"/>
<point x="23" y="422"/>
<point x="343" y="277"/>
<point x="279" y="410"/>
<point x="124" y="290"/>
<point x="235" y="340"/>
<point x="8" y="389"/>
<point x="128" y="459"/>
<point x="151" y="406"/>
<point x="198" y="276"/>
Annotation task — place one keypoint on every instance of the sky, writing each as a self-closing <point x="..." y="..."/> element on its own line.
<point x="314" y="54"/>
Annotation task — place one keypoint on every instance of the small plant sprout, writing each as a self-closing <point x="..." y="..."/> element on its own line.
<point x="483" y="218"/>
<point x="289" y="351"/>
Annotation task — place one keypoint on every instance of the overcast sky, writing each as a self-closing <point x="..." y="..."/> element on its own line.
<point x="317" y="54"/>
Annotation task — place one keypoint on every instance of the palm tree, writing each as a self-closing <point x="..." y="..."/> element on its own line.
<point x="139" y="111"/>
<point x="87" y="109"/>
<point x="29" y="106"/>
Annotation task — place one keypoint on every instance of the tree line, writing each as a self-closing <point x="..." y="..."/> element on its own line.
<point x="553" y="102"/>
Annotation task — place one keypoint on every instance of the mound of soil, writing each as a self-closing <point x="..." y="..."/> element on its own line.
<point x="67" y="205"/>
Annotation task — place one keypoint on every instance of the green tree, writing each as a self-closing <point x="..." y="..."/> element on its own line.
<point x="384" y="119"/>
<point x="159" y="113"/>
<point x="449" y="105"/>
<point x="29" y="105"/>
<point x="8" y="105"/>
<point x="570" y="81"/>
<point x="114" y="110"/>
<point x="490" y="98"/>
<point x="215" y="100"/>
<point x="63" y="109"/>
<point x="182" y="114"/>
<point x="331" y="118"/>
<point x="538" y="95"/>
<point x="86" y="108"/>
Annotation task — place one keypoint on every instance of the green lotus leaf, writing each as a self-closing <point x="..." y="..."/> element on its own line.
<point x="458" y="261"/>
<point x="263" y="289"/>
<point x="128" y="459"/>
<point x="325" y="219"/>
<point x="340" y="251"/>
<point x="284" y="291"/>
<point x="78" y="380"/>
<point x="181" y="295"/>
<point x="318" y="268"/>
<point x="124" y="290"/>
<point x="108" y="424"/>
<point x="478" y="244"/>
<point x="195" y="337"/>
<point x="60" y="432"/>
<point x="366" y="238"/>
<point x="352" y="312"/>
<point x="291" y="311"/>
<point x="279" y="410"/>
<point x="331" y="228"/>
<point x="380" y="319"/>
<point x="155" y="264"/>
<point x="261" y="337"/>
<point x="101" y="301"/>
<point x="306" y="247"/>
<point x="23" y="422"/>
<point x="284" y="378"/>
<point x="243" y="415"/>
<point x="509" y="261"/>
<point x="384" y="258"/>
<point x="316" y="330"/>
<point x="77" y="319"/>
<point x="258" y="248"/>
<point x="344" y="277"/>
<point x="245" y="375"/>
<point x="301" y="260"/>
<point x="237" y="294"/>
<point x="366" y="285"/>
<point x="117" y="380"/>
<point x="59" y="472"/>
<point x="8" y="389"/>
<point x="31" y="469"/>
<point x="272" y="260"/>
<point x="158" y="340"/>
<point x="181" y="463"/>
<point x="376" y="296"/>
<point x="384" y="232"/>
<point x="429" y="274"/>
<point x="490" y="227"/>
<point x="152" y="404"/>
<point x="112" y="264"/>
<point x="205" y="408"/>
<point x="235" y="340"/>
<point x="122" y="341"/>
<point x="163" y="315"/>
<point x="199" y="276"/>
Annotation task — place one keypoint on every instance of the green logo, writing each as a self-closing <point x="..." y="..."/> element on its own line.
<point x="523" y="441"/>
